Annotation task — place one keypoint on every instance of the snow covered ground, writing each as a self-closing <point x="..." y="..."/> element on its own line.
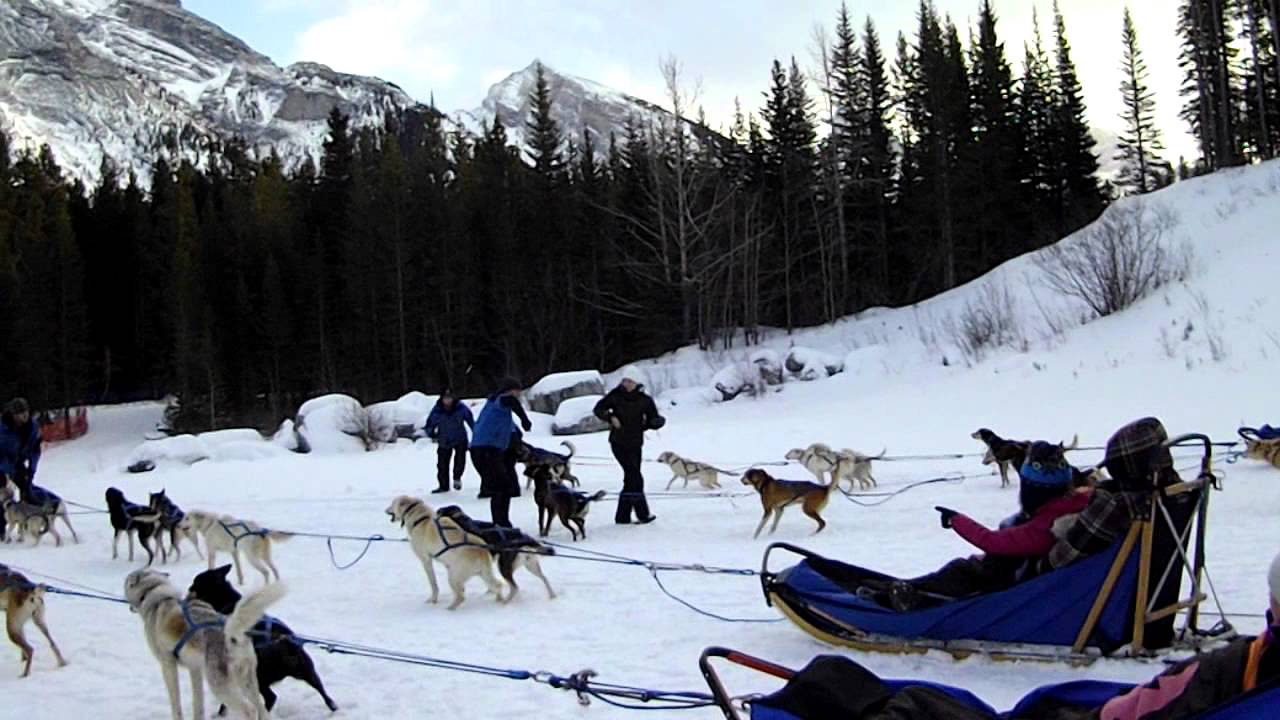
<point x="895" y="393"/>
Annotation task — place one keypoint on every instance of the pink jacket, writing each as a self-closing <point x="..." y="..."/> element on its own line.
<point x="1033" y="538"/>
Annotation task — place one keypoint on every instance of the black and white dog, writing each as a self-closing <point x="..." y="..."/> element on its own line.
<point x="131" y="519"/>
<point x="279" y="657"/>
<point x="535" y="458"/>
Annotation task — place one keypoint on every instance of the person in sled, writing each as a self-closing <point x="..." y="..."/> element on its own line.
<point x="630" y="412"/>
<point x="491" y="445"/>
<point x="19" y="445"/>
<point x="447" y="425"/>
<point x="835" y="686"/>
<point x="1010" y="553"/>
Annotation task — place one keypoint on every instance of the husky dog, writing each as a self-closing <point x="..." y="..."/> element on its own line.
<point x="279" y="656"/>
<point x="535" y="458"/>
<point x="819" y="459"/>
<point x="1005" y="454"/>
<point x="1267" y="451"/>
<point x="131" y="519"/>
<point x="191" y="634"/>
<point x="50" y="504"/>
<point x="778" y="495"/>
<point x="433" y="538"/>
<point x="509" y="546"/>
<point x="706" y="475"/>
<point x="22" y="518"/>
<point x="855" y="467"/>
<point x="171" y="521"/>
<point x="224" y="533"/>
<point x="23" y="601"/>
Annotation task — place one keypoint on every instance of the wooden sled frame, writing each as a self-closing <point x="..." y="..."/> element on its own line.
<point x="1189" y="552"/>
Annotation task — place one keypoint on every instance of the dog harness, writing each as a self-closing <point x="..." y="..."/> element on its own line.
<point x="192" y="627"/>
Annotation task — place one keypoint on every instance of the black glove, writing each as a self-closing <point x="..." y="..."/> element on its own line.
<point x="657" y="422"/>
<point x="528" y="426"/>
<point x="947" y="514"/>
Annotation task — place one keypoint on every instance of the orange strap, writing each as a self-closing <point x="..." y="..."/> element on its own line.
<point x="1256" y="648"/>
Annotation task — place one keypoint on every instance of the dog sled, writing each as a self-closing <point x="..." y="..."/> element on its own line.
<point x="832" y="688"/>
<point x="1121" y="602"/>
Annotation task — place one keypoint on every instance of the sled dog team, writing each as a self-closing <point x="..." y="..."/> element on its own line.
<point x="228" y="641"/>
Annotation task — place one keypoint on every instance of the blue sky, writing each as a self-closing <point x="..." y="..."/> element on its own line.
<point x="457" y="49"/>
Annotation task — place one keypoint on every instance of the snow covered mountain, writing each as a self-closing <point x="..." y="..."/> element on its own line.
<point x="578" y="104"/>
<point x="112" y="78"/>
<point x="99" y="79"/>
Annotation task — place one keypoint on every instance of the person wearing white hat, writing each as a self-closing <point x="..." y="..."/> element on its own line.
<point x="630" y="412"/>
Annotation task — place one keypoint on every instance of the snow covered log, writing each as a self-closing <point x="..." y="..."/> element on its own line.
<point x="546" y="395"/>
<point x="769" y="366"/>
<point x="575" y="417"/>
<point x="737" y="379"/>
<point x="809" y="364"/>
<point x="335" y="424"/>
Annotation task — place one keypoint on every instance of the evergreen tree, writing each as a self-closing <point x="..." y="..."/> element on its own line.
<point x="545" y="138"/>
<point x="1142" y="170"/>
<point x="1261" y="71"/>
<point x="1079" y="196"/>
<point x="1036" y="125"/>
<point x="875" y="179"/>
<point x="1001" y="224"/>
<point x="1210" y="83"/>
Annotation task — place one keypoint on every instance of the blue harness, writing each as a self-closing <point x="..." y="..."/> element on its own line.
<point x="192" y="628"/>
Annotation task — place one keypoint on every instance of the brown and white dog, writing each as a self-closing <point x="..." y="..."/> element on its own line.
<point x="1005" y="454"/>
<point x="1267" y="451"/>
<point x="778" y="495"/>
<point x="23" y="601"/>
<point x="433" y="538"/>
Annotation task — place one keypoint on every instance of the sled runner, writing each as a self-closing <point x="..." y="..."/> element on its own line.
<point x="833" y="687"/>
<point x="1123" y="601"/>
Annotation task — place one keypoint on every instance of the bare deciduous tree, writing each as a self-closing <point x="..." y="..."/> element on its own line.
<point x="1117" y="261"/>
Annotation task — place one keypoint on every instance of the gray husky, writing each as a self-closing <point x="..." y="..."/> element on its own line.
<point x="190" y="633"/>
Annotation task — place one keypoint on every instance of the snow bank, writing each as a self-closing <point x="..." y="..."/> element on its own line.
<point x="575" y="417"/>
<point x="290" y="439"/>
<point x="546" y="395"/>
<point x="216" y="438"/>
<point x="248" y="450"/>
<point x="184" y="449"/>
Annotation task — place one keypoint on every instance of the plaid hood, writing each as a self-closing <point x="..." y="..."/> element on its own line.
<point x="1136" y="452"/>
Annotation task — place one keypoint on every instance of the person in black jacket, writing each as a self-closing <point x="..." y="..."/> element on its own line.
<point x="629" y="412"/>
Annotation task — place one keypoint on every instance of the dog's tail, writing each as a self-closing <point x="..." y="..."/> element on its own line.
<point x="1075" y="443"/>
<point x="730" y="473"/>
<point x="883" y="451"/>
<point x="278" y="535"/>
<point x="249" y="611"/>
<point x="572" y="450"/>
<point x="597" y="497"/>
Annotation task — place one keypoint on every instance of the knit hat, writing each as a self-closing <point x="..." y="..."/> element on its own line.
<point x="1046" y="466"/>
<point x="507" y="384"/>
<point x="1273" y="579"/>
<point x="1136" y="452"/>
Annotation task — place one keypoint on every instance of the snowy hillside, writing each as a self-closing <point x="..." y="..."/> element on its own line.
<point x="1199" y="353"/>
<point x="111" y="78"/>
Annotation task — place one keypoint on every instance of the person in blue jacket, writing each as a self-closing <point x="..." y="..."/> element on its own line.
<point x="491" y="443"/>
<point x="19" y="444"/>
<point x="447" y="425"/>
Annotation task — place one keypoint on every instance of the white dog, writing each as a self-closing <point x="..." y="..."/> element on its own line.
<point x="855" y="467"/>
<point x="192" y="634"/>
<point x="433" y="538"/>
<point x="705" y="475"/>
<point x="223" y="533"/>
<point x="819" y="459"/>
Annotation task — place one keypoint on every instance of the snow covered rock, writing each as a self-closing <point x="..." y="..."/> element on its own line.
<point x="546" y="395"/>
<point x="247" y="451"/>
<point x="290" y="439"/>
<point x="737" y="379"/>
<point x="809" y="364"/>
<point x="575" y="417"/>
<point x="769" y="366"/>
<point x="335" y="424"/>
<point x="183" y="449"/>
<point x="217" y="438"/>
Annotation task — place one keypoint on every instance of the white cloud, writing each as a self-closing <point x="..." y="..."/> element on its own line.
<point x="392" y="39"/>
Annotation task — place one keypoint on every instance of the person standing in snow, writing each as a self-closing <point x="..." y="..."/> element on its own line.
<point x="447" y="425"/>
<point x="629" y="412"/>
<point x="491" y="439"/>
<point x="19" y="445"/>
